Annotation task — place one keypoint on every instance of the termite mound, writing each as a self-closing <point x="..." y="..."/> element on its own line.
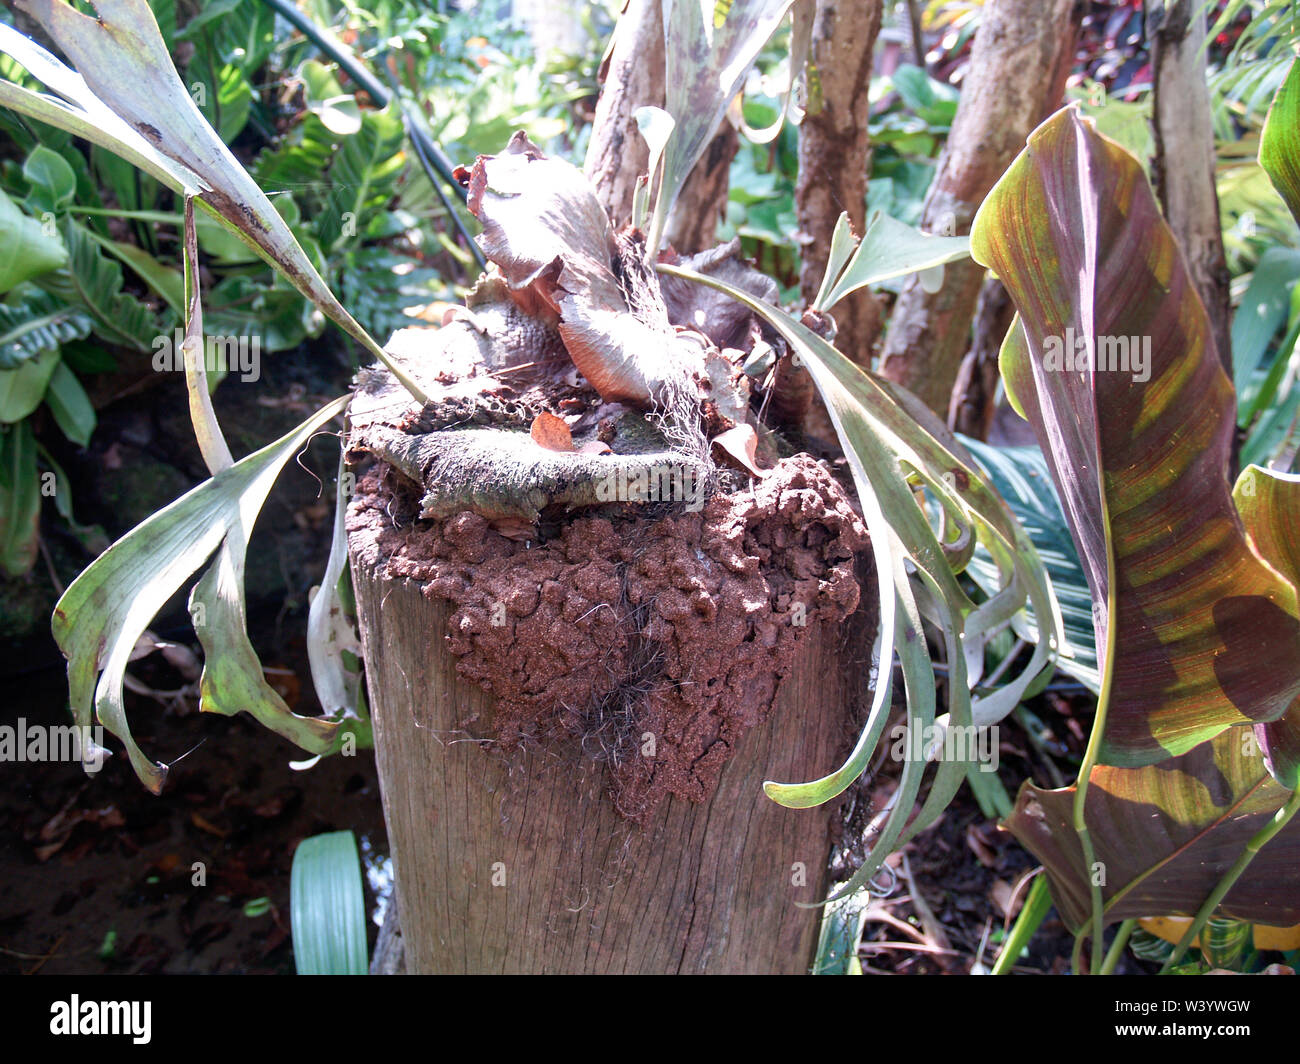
<point x="653" y="642"/>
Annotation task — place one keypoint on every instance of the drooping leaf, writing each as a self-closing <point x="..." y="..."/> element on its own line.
<point x="891" y="439"/>
<point x="1138" y="447"/>
<point x="233" y="681"/>
<point x="1165" y="834"/>
<point x="103" y="613"/>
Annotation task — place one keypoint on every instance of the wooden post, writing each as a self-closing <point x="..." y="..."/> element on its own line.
<point x="517" y="862"/>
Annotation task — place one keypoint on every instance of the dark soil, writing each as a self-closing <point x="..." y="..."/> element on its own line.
<point x="99" y="876"/>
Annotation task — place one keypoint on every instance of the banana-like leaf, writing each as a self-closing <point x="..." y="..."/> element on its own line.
<point x="710" y="48"/>
<point x="887" y="249"/>
<point x="891" y="441"/>
<point x="1270" y="509"/>
<point x="26" y="251"/>
<point x="1164" y="836"/>
<point x="103" y="613"/>
<point x="1279" y="144"/>
<point x="1195" y="633"/>
<point x="124" y="67"/>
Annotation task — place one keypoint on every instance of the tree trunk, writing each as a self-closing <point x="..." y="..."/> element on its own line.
<point x="1185" y="158"/>
<point x="1019" y="60"/>
<point x="518" y="862"/>
<point x="834" y="157"/>
<point x="972" y="409"/>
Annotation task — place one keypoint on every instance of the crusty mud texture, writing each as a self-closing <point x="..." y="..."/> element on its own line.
<point x="652" y="643"/>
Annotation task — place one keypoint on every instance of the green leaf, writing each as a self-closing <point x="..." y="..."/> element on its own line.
<point x="1279" y="144"/>
<point x="22" y="389"/>
<point x="93" y="282"/>
<point x="70" y="405"/>
<point x="327" y="906"/>
<point x="102" y="614"/>
<point x="165" y="280"/>
<point x="1138" y="449"/>
<point x="52" y="180"/>
<point x="1262" y="310"/>
<point x="20" y="499"/>
<point x="25" y="249"/>
<point x="890" y="249"/>
<point x="362" y="177"/>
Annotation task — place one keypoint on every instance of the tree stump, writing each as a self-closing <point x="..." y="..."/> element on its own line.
<point x="595" y="615"/>
<point x="516" y="861"/>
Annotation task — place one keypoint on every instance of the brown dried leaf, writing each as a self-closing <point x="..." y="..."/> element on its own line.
<point x="551" y="432"/>
<point x="740" y="445"/>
